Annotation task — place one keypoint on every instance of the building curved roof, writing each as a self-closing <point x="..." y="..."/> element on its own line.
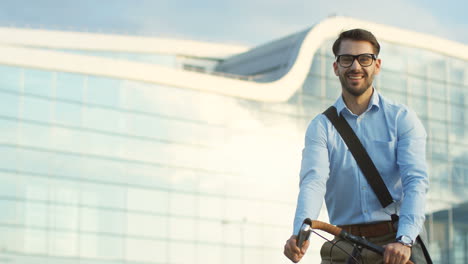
<point x="268" y="62"/>
<point x="21" y="54"/>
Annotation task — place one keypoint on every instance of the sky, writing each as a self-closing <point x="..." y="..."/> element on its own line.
<point x="248" y="22"/>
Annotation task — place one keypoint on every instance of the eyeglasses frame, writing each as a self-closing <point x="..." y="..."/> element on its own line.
<point x="355" y="57"/>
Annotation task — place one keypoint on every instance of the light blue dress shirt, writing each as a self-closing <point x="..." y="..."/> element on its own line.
<point x="395" y="140"/>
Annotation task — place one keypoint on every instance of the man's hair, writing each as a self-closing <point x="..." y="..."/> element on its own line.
<point x="356" y="35"/>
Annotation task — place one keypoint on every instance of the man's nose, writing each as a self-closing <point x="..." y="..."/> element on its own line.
<point x="355" y="65"/>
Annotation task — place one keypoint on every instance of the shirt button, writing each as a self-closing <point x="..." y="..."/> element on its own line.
<point x="363" y="187"/>
<point x="365" y="211"/>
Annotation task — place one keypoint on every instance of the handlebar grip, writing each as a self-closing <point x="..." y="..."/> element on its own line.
<point x="304" y="234"/>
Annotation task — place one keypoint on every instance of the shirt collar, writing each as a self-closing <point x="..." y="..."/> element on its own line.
<point x="374" y="101"/>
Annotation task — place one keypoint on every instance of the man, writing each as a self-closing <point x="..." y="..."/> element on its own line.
<point x="395" y="140"/>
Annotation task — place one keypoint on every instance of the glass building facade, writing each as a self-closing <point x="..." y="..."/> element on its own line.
<point x="107" y="170"/>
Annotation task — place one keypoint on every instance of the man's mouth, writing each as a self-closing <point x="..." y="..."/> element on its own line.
<point x="354" y="76"/>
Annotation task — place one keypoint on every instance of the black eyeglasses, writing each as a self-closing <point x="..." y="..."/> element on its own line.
<point x="346" y="60"/>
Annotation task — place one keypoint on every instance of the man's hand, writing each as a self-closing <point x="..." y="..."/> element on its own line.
<point x="396" y="253"/>
<point x="293" y="252"/>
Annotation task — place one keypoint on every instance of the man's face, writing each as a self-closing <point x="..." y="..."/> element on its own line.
<point x="356" y="79"/>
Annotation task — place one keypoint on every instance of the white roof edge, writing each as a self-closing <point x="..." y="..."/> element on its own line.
<point x="277" y="91"/>
<point x="119" y="43"/>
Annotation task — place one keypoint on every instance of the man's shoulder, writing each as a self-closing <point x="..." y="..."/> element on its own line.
<point x="392" y="106"/>
<point x="318" y="123"/>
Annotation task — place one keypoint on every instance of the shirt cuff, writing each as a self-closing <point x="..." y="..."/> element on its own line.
<point x="411" y="231"/>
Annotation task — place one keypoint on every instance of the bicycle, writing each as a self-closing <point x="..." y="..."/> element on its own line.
<point x="309" y="225"/>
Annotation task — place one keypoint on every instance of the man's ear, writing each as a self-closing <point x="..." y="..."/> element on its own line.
<point x="378" y="64"/>
<point x="335" y="68"/>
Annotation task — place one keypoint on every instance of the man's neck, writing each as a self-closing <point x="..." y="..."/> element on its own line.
<point x="358" y="104"/>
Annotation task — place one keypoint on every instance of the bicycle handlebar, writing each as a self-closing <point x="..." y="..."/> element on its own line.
<point x="336" y="231"/>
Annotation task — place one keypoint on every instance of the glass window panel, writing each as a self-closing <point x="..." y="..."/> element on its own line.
<point x="63" y="217"/>
<point x="437" y="90"/>
<point x="183" y="204"/>
<point x="439" y="150"/>
<point x="456" y="72"/>
<point x="67" y="114"/>
<point x="12" y="185"/>
<point x="62" y="243"/>
<point x="393" y="81"/>
<point x="36" y="109"/>
<point x="313" y="106"/>
<point x="88" y="245"/>
<point x="437" y="67"/>
<point x="253" y="255"/>
<point x="183" y="180"/>
<point x="8" y="131"/>
<point x="417" y="85"/>
<point x="67" y="165"/>
<point x="103" y="91"/>
<point x="417" y="62"/>
<point x="397" y="97"/>
<point x="146" y="251"/>
<point x="419" y="105"/>
<point x="313" y="85"/>
<point x="9" y="213"/>
<point x="10" y="105"/>
<point x="149" y="176"/>
<point x="12" y="239"/>
<point x="457" y="94"/>
<point x="31" y="134"/>
<point x="271" y="209"/>
<point x="111" y="248"/>
<point x="103" y="195"/>
<point x="103" y="221"/>
<point x="333" y="90"/>
<point x="38" y="82"/>
<point x="157" y="128"/>
<point x="232" y="230"/>
<point x="101" y="119"/>
<point x="70" y="86"/>
<point x="393" y="57"/>
<point x="189" y="252"/>
<point x="92" y="144"/>
<point x="209" y="254"/>
<point x="147" y="225"/>
<point x="11" y="78"/>
<point x="211" y="207"/>
<point x="146" y="200"/>
<point x="36" y="214"/>
<point x="36" y="188"/>
<point x="458" y="114"/>
<point x="103" y="170"/>
<point x="457" y="133"/>
<point x="33" y="160"/>
<point x="438" y="110"/>
<point x="37" y="241"/>
<point x="234" y="255"/>
<point x="330" y="72"/>
<point x="182" y="228"/>
<point x="210" y="231"/>
<point x="212" y="184"/>
<point x="316" y="68"/>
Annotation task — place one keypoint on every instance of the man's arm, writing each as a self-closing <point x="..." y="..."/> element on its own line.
<point x="314" y="172"/>
<point x="312" y="184"/>
<point x="411" y="159"/>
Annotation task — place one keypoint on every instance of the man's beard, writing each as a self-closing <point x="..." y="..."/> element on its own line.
<point x="360" y="90"/>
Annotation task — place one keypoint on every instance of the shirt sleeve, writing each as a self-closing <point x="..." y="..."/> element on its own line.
<point x="314" y="172"/>
<point x="411" y="159"/>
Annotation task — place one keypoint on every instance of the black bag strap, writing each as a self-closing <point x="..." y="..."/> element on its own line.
<point x="360" y="154"/>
